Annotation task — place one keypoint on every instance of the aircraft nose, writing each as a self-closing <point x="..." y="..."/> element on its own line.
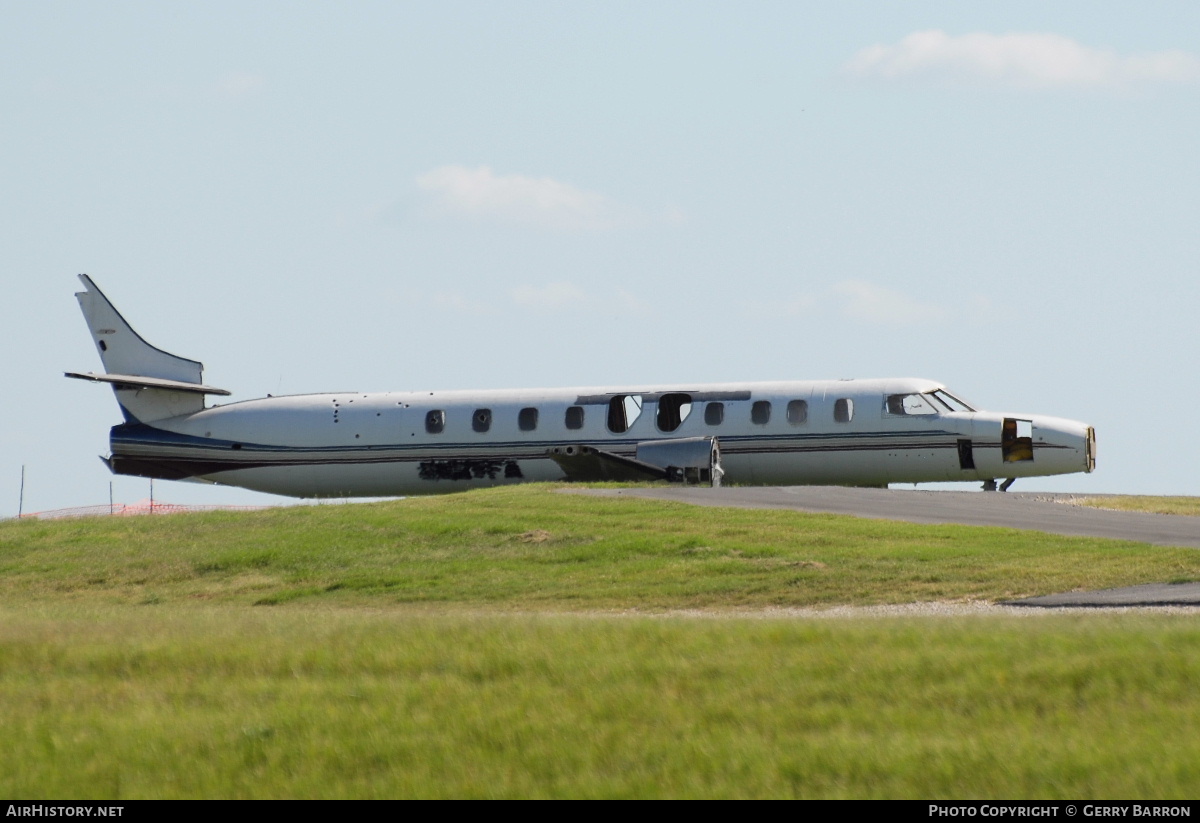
<point x="1068" y="440"/>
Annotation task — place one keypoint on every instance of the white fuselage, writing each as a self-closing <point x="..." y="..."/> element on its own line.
<point x="841" y="432"/>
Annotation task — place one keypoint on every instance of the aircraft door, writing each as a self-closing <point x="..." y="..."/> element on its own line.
<point x="982" y="448"/>
<point x="970" y="452"/>
<point x="1001" y="447"/>
<point x="966" y="454"/>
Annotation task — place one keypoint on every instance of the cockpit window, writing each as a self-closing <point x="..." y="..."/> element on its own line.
<point x="909" y="404"/>
<point x="951" y="402"/>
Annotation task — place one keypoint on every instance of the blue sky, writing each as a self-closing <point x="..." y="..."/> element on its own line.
<point x="388" y="196"/>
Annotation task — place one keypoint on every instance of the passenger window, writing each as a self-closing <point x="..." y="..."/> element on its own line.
<point x="797" y="412"/>
<point x="481" y="420"/>
<point x="527" y="419"/>
<point x="673" y="409"/>
<point x="760" y="412"/>
<point x="574" y="418"/>
<point x="435" y="421"/>
<point x="714" y="414"/>
<point x="623" y="410"/>
<point x="843" y="410"/>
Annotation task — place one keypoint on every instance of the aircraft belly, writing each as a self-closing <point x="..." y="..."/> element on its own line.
<point x="1047" y="460"/>
<point x="393" y="479"/>
<point x="858" y="458"/>
<point x="925" y="465"/>
<point x="328" y="470"/>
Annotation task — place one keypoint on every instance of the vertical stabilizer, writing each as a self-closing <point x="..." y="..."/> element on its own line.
<point x="124" y="352"/>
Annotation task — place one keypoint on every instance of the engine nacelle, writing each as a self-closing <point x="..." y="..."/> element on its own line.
<point x="685" y="459"/>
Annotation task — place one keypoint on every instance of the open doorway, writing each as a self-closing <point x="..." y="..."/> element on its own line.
<point x="1016" y="440"/>
<point x="673" y="409"/>
<point x="623" y="411"/>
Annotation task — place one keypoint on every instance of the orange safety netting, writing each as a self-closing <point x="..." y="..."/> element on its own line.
<point x="130" y="509"/>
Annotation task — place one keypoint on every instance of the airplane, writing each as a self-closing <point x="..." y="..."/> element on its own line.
<point x="352" y="444"/>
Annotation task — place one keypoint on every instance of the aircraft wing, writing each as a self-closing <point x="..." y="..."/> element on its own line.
<point x="589" y="464"/>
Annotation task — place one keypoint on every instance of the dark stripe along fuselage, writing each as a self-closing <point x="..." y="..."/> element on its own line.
<point x="311" y="445"/>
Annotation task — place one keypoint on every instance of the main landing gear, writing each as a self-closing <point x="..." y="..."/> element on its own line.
<point x="990" y="485"/>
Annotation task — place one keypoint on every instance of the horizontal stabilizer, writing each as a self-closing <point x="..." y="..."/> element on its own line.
<point x="131" y="381"/>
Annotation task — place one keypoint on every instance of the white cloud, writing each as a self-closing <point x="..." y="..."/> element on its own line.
<point x="629" y="303"/>
<point x="456" y="302"/>
<point x="241" y="84"/>
<point x="782" y="306"/>
<point x="560" y="297"/>
<point x="515" y="198"/>
<point x="1029" y="60"/>
<point x="564" y="295"/>
<point x="550" y="296"/>
<point x="854" y="299"/>
<point x="48" y="87"/>
<point x="866" y="301"/>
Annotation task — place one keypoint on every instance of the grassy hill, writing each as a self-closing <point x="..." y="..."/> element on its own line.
<point x="523" y="643"/>
<point x="529" y="548"/>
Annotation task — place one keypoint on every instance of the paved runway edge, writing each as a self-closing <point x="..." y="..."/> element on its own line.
<point x="1033" y="511"/>
<point x="1151" y="594"/>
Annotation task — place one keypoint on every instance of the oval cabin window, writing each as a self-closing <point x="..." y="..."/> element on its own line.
<point x="574" y="417"/>
<point x="527" y="419"/>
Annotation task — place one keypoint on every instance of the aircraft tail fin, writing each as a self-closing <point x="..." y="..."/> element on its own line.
<point x="150" y="384"/>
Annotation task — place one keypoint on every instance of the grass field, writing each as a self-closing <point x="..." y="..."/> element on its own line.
<point x="528" y="548"/>
<point x="522" y="643"/>
<point x="1141" y="503"/>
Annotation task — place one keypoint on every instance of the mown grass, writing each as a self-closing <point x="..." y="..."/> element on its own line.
<point x="530" y="548"/>
<point x="243" y="702"/>
<point x="498" y="644"/>
<point x="1144" y="503"/>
